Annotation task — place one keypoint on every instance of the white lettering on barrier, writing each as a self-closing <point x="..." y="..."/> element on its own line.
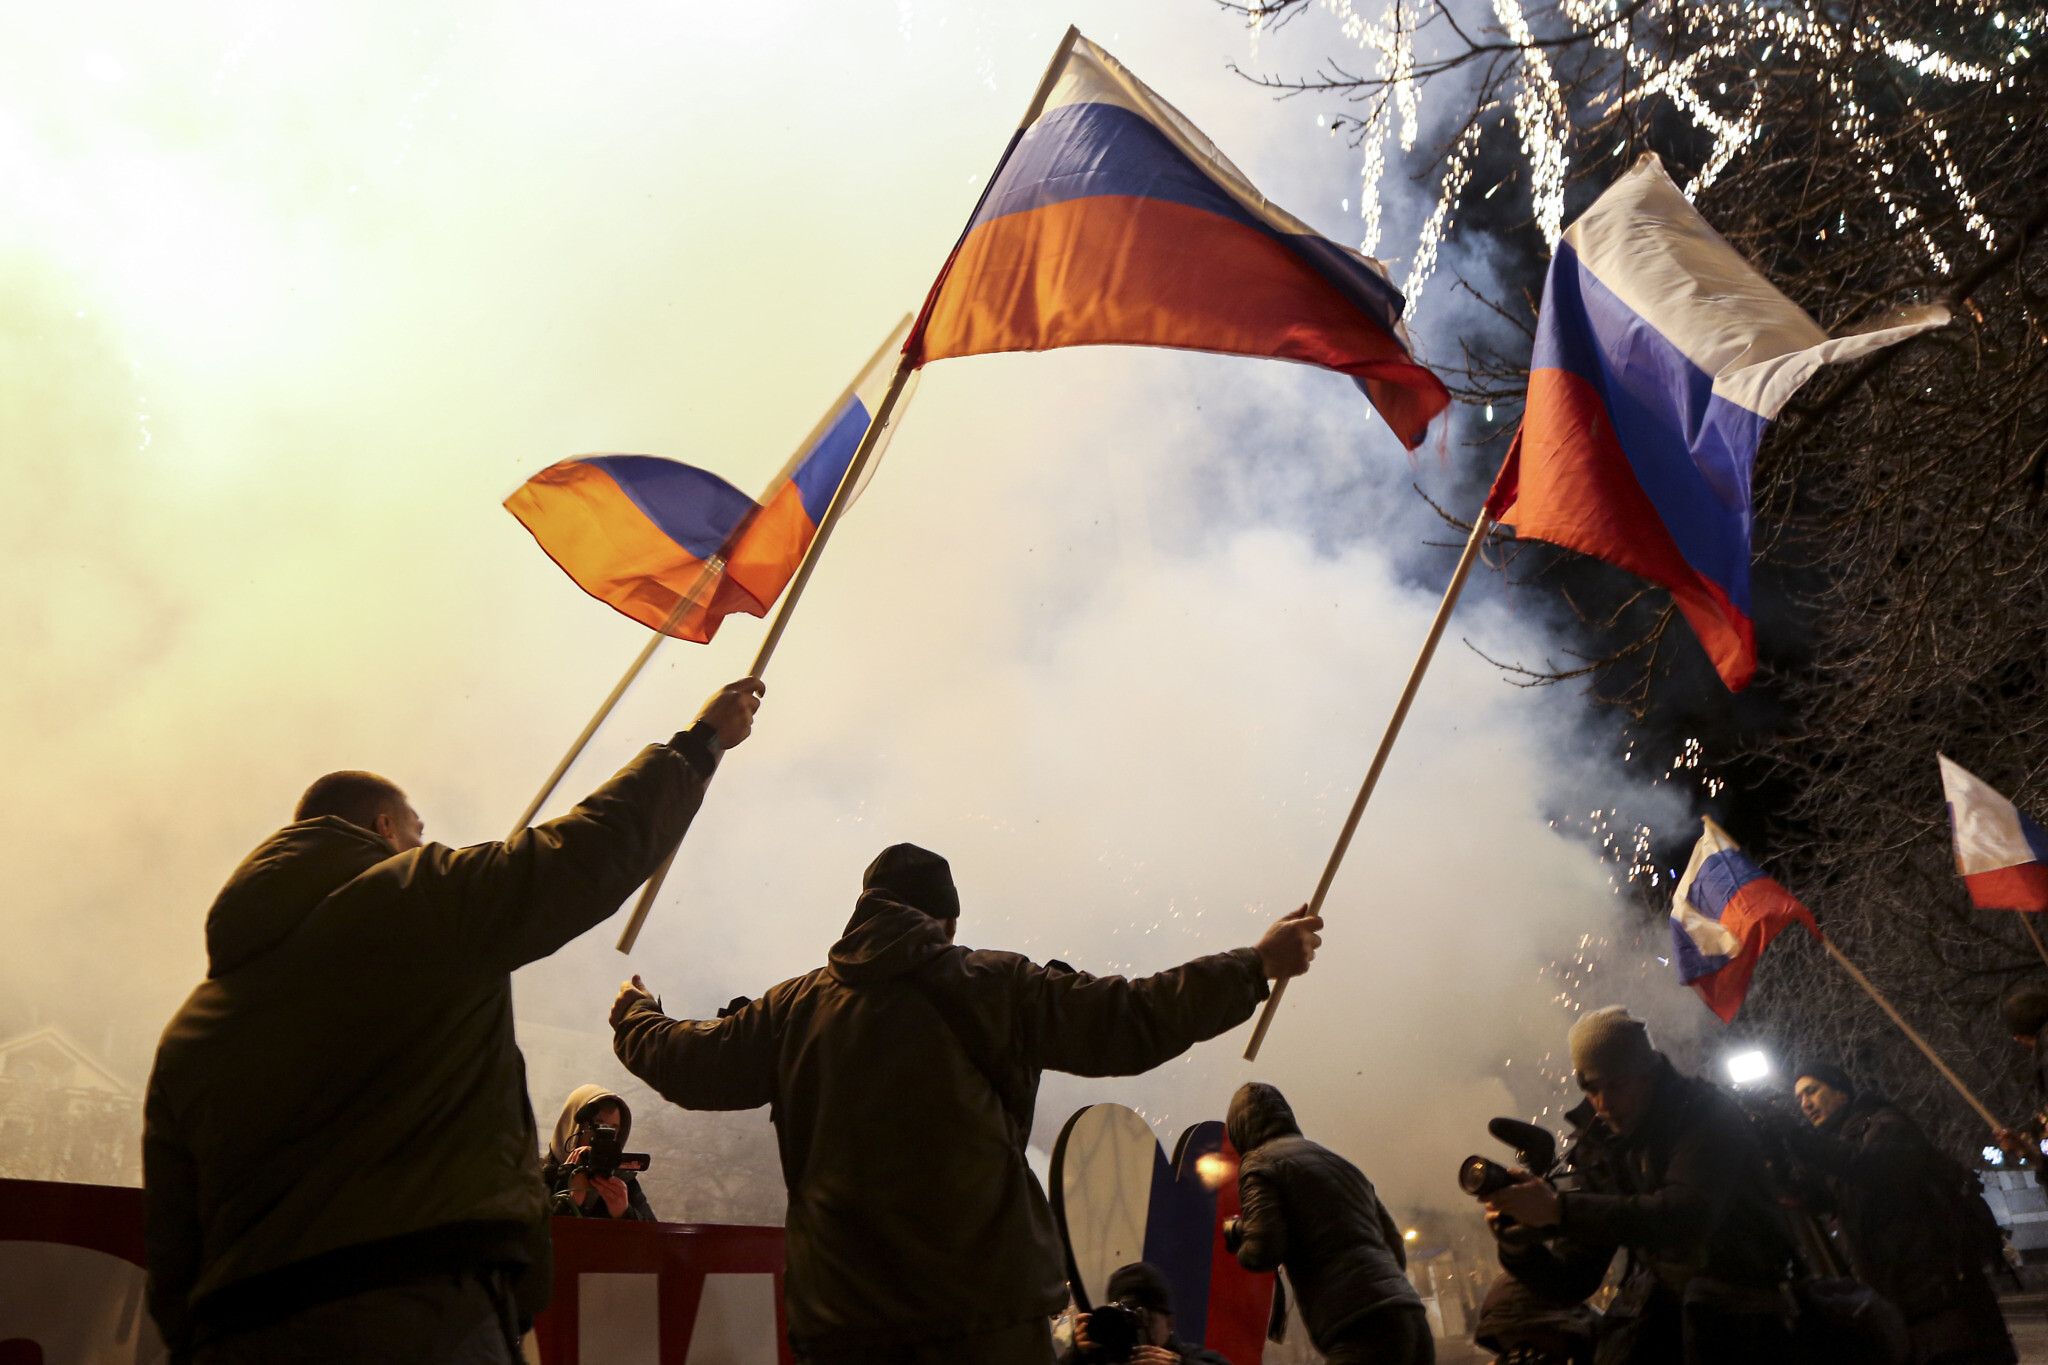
<point x="735" y="1321"/>
<point x="618" y="1319"/>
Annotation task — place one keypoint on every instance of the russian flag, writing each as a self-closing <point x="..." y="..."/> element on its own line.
<point x="1999" y="850"/>
<point x="1111" y="220"/>
<point x="677" y="548"/>
<point x="1724" y="913"/>
<point x="1660" y="357"/>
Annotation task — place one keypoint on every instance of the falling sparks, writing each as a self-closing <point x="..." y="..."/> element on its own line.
<point x="1822" y="45"/>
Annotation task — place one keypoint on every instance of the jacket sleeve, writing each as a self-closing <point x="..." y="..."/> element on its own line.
<point x="1706" y="1161"/>
<point x="1391" y="1230"/>
<point x="727" y="1063"/>
<point x="1116" y="1026"/>
<point x="171" y="1234"/>
<point x="520" y="900"/>
<point x="1261" y="1221"/>
<point x="638" y="1210"/>
<point x="1561" y="1270"/>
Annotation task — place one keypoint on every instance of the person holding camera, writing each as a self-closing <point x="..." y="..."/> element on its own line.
<point x="1134" y="1324"/>
<point x="1305" y="1208"/>
<point x="338" y="1149"/>
<point x="1669" y="1170"/>
<point x="594" y="1123"/>
<point x="1914" y="1219"/>
<point x="903" y="1076"/>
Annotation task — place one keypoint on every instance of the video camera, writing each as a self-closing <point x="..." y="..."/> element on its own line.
<point x="1115" y="1330"/>
<point x="603" y="1159"/>
<point x="1482" y="1177"/>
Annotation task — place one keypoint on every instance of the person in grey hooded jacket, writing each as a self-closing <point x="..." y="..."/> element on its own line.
<point x="1311" y="1211"/>
<point x="577" y="1195"/>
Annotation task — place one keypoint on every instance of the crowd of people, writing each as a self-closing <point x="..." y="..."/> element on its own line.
<point x="341" y="1163"/>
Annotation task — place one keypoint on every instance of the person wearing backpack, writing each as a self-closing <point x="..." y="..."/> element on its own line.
<point x="1914" y="1219"/>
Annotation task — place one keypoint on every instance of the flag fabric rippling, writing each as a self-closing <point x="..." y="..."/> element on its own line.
<point x="1660" y="358"/>
<point x="678" y="548"/>
<point x="1724" y="913"/>
<point x="2001" y="852"/>
<point x="1112" y="220"/>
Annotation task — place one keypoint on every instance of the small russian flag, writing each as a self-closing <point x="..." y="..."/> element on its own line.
<point x="1999" y="851"/>
<point x="1724" y="913"/>
<point x="676" y="547"/>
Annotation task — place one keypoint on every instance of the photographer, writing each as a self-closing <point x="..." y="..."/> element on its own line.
<point x="578" y="1193"/>
<point x="1915" y="1221"/>
<point x="1670" y="1171"/>
<point x="1140" y="1298"/>
<point x="1310" y="1210"/>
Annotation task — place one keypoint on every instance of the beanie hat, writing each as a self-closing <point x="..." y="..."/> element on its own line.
<point x="1141" y="1283"/>
<point x="1829" y="1075"/>
<point x="917" y="877"/>
<point x="1611" y="1043"/>
<point x="2025" y="1010"/>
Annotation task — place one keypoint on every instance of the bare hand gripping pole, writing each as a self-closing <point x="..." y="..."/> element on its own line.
<point x="1481" y="524"/>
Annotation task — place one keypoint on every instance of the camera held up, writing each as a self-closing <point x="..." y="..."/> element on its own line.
<point x="604" y="1159"/>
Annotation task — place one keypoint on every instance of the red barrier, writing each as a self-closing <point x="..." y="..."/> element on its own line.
<point x="625" y="1293"/>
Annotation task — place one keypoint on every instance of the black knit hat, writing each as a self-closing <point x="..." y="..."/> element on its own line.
<point x="918" y="877"/>
<point x="1141" y="1283"/>
<point x="1829" y="1075"/>
<point x="2025" y="1010"/>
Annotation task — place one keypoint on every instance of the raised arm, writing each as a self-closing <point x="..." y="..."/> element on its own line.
<point x="727" y="1063"/>
<point x="522" y="899"/>
<point x="1120" y="1026"/>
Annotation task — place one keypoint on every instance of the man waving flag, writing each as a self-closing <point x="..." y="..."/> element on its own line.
<point x="1111" y="220"/>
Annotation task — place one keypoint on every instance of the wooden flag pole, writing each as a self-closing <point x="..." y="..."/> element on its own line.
<point x="682" y="607"/>
<point x="705" y="578"/>
<point x="2026" y="918"/>
<point x="885" y="412"/>
<point x="1907" y="1029"/>
<point x="1481" y="524"/>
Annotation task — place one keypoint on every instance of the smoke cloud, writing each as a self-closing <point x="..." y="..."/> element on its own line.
<point x="289" y="302"/>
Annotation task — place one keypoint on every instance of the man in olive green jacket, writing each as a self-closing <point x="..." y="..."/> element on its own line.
<point x="338" y="1152"/>
<point x="903" y="1075"/>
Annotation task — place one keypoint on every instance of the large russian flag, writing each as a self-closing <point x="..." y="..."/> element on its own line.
<point x="1999" y="850"/>
<point x="1660" y="357"/>
<point x="677" y="548"/>
<point x="1724" y="913"/>
<point x="1112" y="220"/>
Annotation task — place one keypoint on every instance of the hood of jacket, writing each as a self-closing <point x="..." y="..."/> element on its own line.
<point x="581" y="1098"/>
<point x="885" y="938"/>
<point x="279" y="884"/>
<point x="1258" y="1114"/>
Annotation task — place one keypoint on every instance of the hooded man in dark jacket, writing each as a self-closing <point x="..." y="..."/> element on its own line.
<point x="1680" y="1182"/>
<point x="1308" y="1209"/>
<point x="2025" y="1012"/>
<point x="903" y="1076"/>
<point x="339" y="1159"/>
<point x="1916" y="1224"/>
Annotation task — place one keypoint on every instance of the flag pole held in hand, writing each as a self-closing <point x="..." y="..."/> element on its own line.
<point x="849" y="484"/>
<point x="1480" y="525"/>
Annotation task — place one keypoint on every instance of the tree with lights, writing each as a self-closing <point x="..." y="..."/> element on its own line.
<point x="1867" y="156"/>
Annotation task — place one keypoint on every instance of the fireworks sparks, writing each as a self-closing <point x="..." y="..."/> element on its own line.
<point x="1814" y="45"/>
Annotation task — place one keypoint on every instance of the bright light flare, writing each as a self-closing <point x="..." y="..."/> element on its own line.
<point x="1213" y="1168"/>
<point x="1747" y="1067"/>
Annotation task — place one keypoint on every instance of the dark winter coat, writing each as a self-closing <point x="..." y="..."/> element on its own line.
<point x="903" y="1076"/>
<point x="341" y="1103"/>
<point x="1304" y="1207"/>
<point x="1688" y="1195"/>
<point x="1916" y="1226"/>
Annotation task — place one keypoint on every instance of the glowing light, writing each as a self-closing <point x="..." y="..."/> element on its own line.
<point x="1409" y="1235"/>
<point x="1747" y="1067"/>
<point x="1213" y="1168"/>
<point x="1993" y="1157"/>
<point x="1725" y="29"/>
